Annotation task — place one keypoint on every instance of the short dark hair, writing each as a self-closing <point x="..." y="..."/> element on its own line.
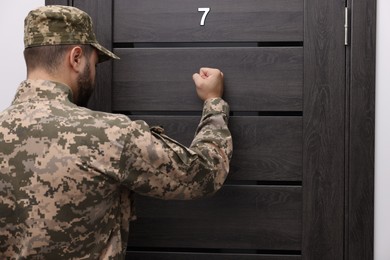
<point x="50" y="57"/>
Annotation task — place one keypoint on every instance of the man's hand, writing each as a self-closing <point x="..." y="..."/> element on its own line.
<point x="209" y="83"/>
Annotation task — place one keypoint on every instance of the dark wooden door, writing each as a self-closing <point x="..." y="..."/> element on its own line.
<point x="288" y="82"/>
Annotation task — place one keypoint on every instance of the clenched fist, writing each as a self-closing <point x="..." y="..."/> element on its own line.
<point x="209" y="83"/>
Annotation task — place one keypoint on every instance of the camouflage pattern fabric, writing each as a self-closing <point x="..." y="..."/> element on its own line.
<point x="58" y="25"/>
<point x="67" y="173"/>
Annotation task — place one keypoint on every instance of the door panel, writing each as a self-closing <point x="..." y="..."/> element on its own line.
<point x="228" y="20"/>
<point x="257" y="79"/>
<point x="258" y="46"/>
<point x="265" y="148"/>
<point x="245" y="217"/>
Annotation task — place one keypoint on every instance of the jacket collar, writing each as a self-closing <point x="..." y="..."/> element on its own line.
<point x="42" y="90"/>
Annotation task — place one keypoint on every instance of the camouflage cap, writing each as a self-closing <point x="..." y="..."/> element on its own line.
<point x="57" y="25"/>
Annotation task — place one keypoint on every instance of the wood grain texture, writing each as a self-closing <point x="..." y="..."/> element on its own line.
<point x="324" y="125"/>
<point x="228" y="20"/>
<point x="244" y="217"/>
<point x="265" y="148"/>
<point x="205" y="256"/>
<point x="360" y="236"/>
<point x="101" y="14"/>
<point x="256" y="79"/>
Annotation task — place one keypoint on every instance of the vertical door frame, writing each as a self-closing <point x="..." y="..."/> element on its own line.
<point x="359" y="237"/>
<point x="352" y="235"/>
<point x="350" y="153"/>
<point x="323" y="130"/>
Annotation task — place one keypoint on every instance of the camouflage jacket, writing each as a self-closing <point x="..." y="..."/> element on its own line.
<point x="67" y="173"/>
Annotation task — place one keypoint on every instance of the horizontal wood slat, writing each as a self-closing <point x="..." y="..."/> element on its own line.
<point x="236" y="217"/>
<point x="57" y="2"/>
<point x="265" y="148"/>
<point x="228" y="20"/>
<point x="256" y="79"/>
<point x="205" y="256"/>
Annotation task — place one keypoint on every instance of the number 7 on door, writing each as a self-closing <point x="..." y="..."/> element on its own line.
<point x="206" y="10"/>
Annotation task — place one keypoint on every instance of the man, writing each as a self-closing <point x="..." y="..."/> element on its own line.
<point x="67" y="173"/>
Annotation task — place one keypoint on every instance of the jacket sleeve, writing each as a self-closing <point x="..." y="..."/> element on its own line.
<point x="153" y="164"/>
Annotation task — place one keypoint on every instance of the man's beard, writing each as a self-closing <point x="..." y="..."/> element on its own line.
<point x="85" y="86"/>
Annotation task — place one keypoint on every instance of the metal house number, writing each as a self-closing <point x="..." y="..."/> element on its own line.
<point x="206" y="10"/>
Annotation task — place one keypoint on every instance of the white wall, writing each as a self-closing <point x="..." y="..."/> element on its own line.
<point x="12" y="66"/>
<point x="12" y="71"/>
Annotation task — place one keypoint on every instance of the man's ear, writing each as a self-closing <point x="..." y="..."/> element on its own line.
<point x="75" y="58"/>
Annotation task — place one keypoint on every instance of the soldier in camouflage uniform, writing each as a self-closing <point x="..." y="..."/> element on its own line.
<point x="67" y="173"/>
